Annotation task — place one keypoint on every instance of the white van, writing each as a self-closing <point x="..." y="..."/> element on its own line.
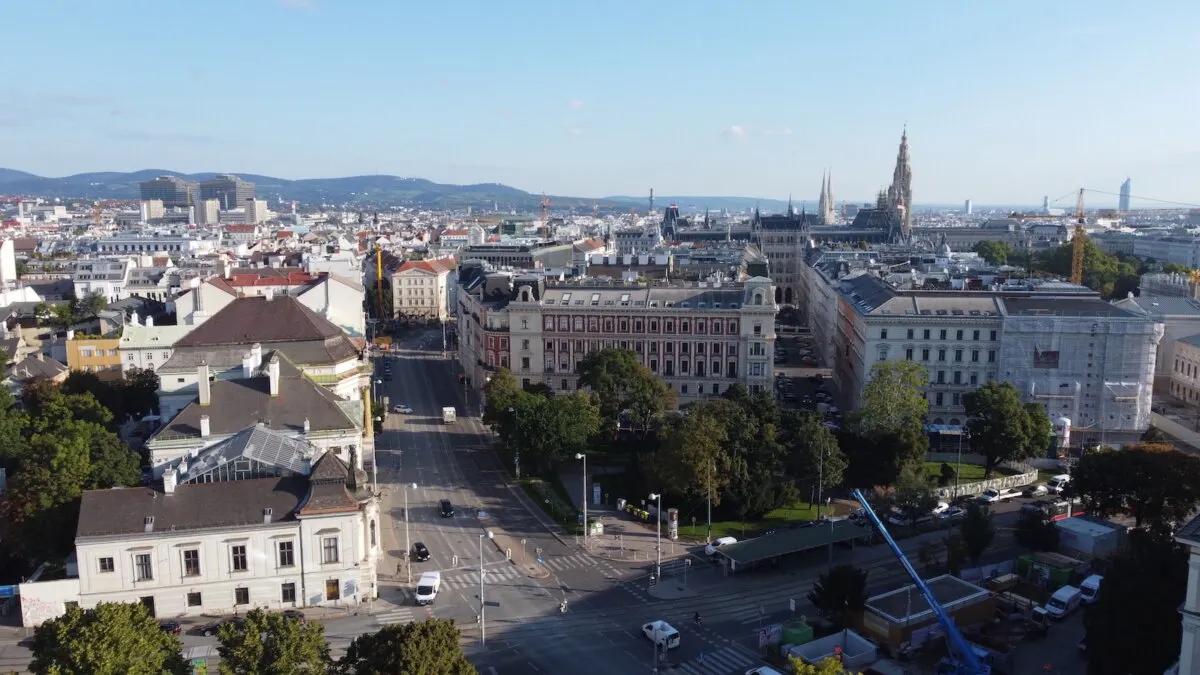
<point x="711" y="548"/>
<point x="427" y="587"/>
<point x="1089" y="590"/>
<point x="662" y="634"/>
<point x="1057" y="483"/>
<point x="1063" y="602"/>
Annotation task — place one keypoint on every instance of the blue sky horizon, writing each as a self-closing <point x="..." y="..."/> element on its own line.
<point x="1004" y="103"/>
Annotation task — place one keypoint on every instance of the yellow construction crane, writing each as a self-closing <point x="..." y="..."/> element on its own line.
<point x="1077" y="242"/>
<point x="379" y="282"/>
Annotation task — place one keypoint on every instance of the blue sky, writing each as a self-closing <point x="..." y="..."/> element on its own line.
<point x="1004" y="101"/>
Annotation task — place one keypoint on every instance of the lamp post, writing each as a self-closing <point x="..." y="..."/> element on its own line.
<point x="820" y="481"/>
<point x="516" y="447"/>
<point x="580" y="455"/>
<point x="658" y="536"/>
<point x="407" y="544"/>
<point x="482" y="606"/>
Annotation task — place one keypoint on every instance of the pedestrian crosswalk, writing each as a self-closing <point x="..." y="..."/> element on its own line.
<point x="723" y="661"/>
<point x="400" y="615"/>
<point x="509" y="573"/>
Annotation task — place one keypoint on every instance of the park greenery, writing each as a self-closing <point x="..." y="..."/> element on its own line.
<point x="110" y="639"/>
<point x="1151" y="483"/>
<point x="1113" y="276"/>
<point x="1003" y="429"/>
<point x="429" y="647"/>
<point x="840" y="593"/>
<point x="994" y="252"/>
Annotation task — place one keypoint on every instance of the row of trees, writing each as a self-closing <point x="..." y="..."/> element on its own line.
<point x="66" y="314"/>
<point x="122" y="638"/>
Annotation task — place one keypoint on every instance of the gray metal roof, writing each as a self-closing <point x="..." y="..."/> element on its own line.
<point x="785" y="541"/>
<point x="258" y="443"/>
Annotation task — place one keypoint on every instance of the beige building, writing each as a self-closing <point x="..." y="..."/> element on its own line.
<point x="420" y="289"/>
<point x="700" y="338"/>
<point x="1185" y="370"/>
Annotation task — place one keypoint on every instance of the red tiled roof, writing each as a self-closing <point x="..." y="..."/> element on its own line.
<point x="249" y="229"/>
<point x="292" y="278"/>
<point x="432" y="266"/>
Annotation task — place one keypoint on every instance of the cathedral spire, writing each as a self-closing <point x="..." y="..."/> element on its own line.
<point x="899" y="194"/>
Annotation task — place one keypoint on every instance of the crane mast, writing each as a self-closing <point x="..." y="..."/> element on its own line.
<point x="967" y="661"/>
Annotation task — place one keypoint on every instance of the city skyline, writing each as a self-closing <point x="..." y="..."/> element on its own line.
<point x="596" y="102"/>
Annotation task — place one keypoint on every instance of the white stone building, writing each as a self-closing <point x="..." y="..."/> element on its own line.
<point x="148" y="346"/>
<point x="420" y="289"/>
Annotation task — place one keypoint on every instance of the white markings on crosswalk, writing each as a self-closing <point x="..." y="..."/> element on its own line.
<point x="398" y="615"/>
<point x="723" y="661"/>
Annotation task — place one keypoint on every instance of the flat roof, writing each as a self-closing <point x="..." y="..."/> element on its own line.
<point x="789" y="540"/>
<point x="908" y="604"/>
<point x="1085" y="526"/>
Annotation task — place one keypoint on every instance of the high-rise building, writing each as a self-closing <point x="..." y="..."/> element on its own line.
<point x="899" y="193"/>
<point x="229" y="190"/>
<point x="206" y="211"/>
<point x="1126" y="187"/>
<point x="256" y="211"/>
<point x="170" y="190"/>
<point x="968" y="207"/>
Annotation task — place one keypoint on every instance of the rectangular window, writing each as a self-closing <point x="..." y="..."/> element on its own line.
<point x="329" y="550"/>
<point x="333" y="589"/>
<point x="958" y="377"/>
<point x="287" y="554"/>
<point x="910" y="333"/>
<point x="938" y="399"/>
<point x="958" y="334"/>
<point x="974" y="356"/>
<point x="241" y="595"/>
<point x="193" y="599"/>
<point x="924" y="354"/>
<point x="974" y="378"/>
<point x="925" y="333"/>
<point x="975" y="335"/>
<point x="145" y="570"/>
<point x="883" y="334"/>
<point x="908" y="354"/>
<point x="958" y="355"/>
<point x="106" y="565"/>
<point x="955" y="398"/>
<point x="993" y="336"/>
<point x="941" y="377"/>
<point x="288" y="592"/>
<point x="238" y="553"/>
<point x="191" y="562"/>
<point x="941" y="355"/>
<point x="991" y="356"/>
<point x="942" y="334"/>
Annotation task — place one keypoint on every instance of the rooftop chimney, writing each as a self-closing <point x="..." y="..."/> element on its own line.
<point x="256" y="352"/>
<point x="134" y="318"/>
<point x="307" y="425"/>
<point x="170" y="480"/>
<point x="267" y="513"/>
<point x="247" y="365"/>
<point x="150" y="321"/>
<point x="204" y="385"/>
<point x="148" y="524"/>
<point x="273" y="373"/>
<point x="205" y="426"/>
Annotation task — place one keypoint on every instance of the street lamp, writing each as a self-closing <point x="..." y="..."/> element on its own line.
<point x="407" y="544"/>
<point x="580" y="455"/>
<point x="658" y="536"/>
<point x="482" y="620"/>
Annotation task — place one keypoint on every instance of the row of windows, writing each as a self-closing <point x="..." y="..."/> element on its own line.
<point x="668" y="367"/>
<point x="613" y="324"/>
<point x="582" y="346"/>
<point x="942" y="333"/>
<point x="926" y="353"/>
<point x="238" y="558"/>
<point x="287" y="593"/>
<point x="92" y="351"/>
<point x="1186" y="369"/>
<point x="149" y="356"/>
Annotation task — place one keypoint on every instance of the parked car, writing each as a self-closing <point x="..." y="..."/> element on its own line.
<point x="993" y="496"/>
<point x="1064" y="601"/>
<point x="952" y="513"/>
<point x="446" y="508"/>
<point x="1089" y="590"/>
<point x="210" y="629"/>
<point x="172" y="627"/>
<point x="420" y="552"/>
<point x="1036" y="490"/>
<point x="427" y="587"/>
<point x="295" y="614"/>
<point x="402" y="409"/>
<point x="1057" y="483"/>
<point x="710" y="549"/>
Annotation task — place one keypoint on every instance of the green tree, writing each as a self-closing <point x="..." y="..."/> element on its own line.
<point x="913" y="496"/>
<point x="1176" y="268"/>
<point x="1035" y="532"/>
<point x="89" y="306"/>
<point x="621" y="383"/>
<point x="1002" y="428"/>
<point x="693" y="457"/>
<point x="1101" y="270"/>
<point x="429" y="647"/>
<point x="995" y="252"/>
<point x="1134" y="626"/>
<point x="267" y="643"/>
<point x="892" y="414"/>
<point x="840" y="593"/>
<point x="111" y="639"/>
<point x="140" y="392"/>
<point x="547" y="429"/>
<point x="977" y="532"/>
<point x="1153" y="485"/>
<point x="501" y="394"/>
<point x="813" y="456"/>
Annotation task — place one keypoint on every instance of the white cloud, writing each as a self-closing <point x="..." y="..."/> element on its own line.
<point x="735" y="131"/>
<point x="575" y="104"/>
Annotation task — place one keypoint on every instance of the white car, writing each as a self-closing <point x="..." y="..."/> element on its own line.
<point x="427" y="588"/>
<point x="941" y="507"/>
<point x="402" y="409"/>
<point x="1057" y="483"/>
<point x="661" y="633"/>
<point x="997" y="496"/>
<point x="710" y="549"/>
<point x="1038" y="490"/>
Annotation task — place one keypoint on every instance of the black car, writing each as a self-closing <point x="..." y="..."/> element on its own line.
<point x="210" y="629"/>
<point x="172" y="627"/>
<point x="447" y="508"/>
<point x="295" y="614"/>
<point x="420" y="552"/>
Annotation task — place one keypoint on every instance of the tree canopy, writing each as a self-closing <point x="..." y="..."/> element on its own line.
<point x="814" y="458"/>
<point x="976" y="532"/>
<point x="890" y="423"/>
<point x="839" y="593"/>
<point x="111" y="639"/>
<point x="429" y="647"/>
<point x="622" y="384"/>
<point x="1036" y="532"/>
<point x="1152" y="484"/>
<point x="1110" y="275"/>
<point x="1002" y="427"/>
<point x="269" y="642"/>
<point x="540" y="425"/>
<point x="995" y="252"/>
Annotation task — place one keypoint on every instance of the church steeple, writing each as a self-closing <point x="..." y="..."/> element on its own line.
<point x="790" y="211"/>
<point x="899" y="194"/>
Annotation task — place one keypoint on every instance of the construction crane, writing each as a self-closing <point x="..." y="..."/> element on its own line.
<point x="545" y="205"/>
<point x="964" y="656"/>
<point x="379" y="282"/>
<point x="1077" y="241"/>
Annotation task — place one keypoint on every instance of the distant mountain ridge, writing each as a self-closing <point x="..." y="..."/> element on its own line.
<point x="363" y="191"/>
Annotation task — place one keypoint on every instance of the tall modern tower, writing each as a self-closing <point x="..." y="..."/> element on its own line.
<point x="1126" y="188"/>
<point x="899" y="194"/>
<point x="230" y="191"/>
<point x="170" y="190"/>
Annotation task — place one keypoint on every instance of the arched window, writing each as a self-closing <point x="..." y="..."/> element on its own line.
<point x="787" y="296"/>
<point x="758" y="299"/>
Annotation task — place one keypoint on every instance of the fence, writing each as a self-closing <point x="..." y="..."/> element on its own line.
<point x="1002" y="482"/>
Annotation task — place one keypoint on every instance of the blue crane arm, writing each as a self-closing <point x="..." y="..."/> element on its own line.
<point x="968" y="661"/>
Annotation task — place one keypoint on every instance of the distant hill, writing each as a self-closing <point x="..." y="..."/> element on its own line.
<point x="362" y="191"/>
